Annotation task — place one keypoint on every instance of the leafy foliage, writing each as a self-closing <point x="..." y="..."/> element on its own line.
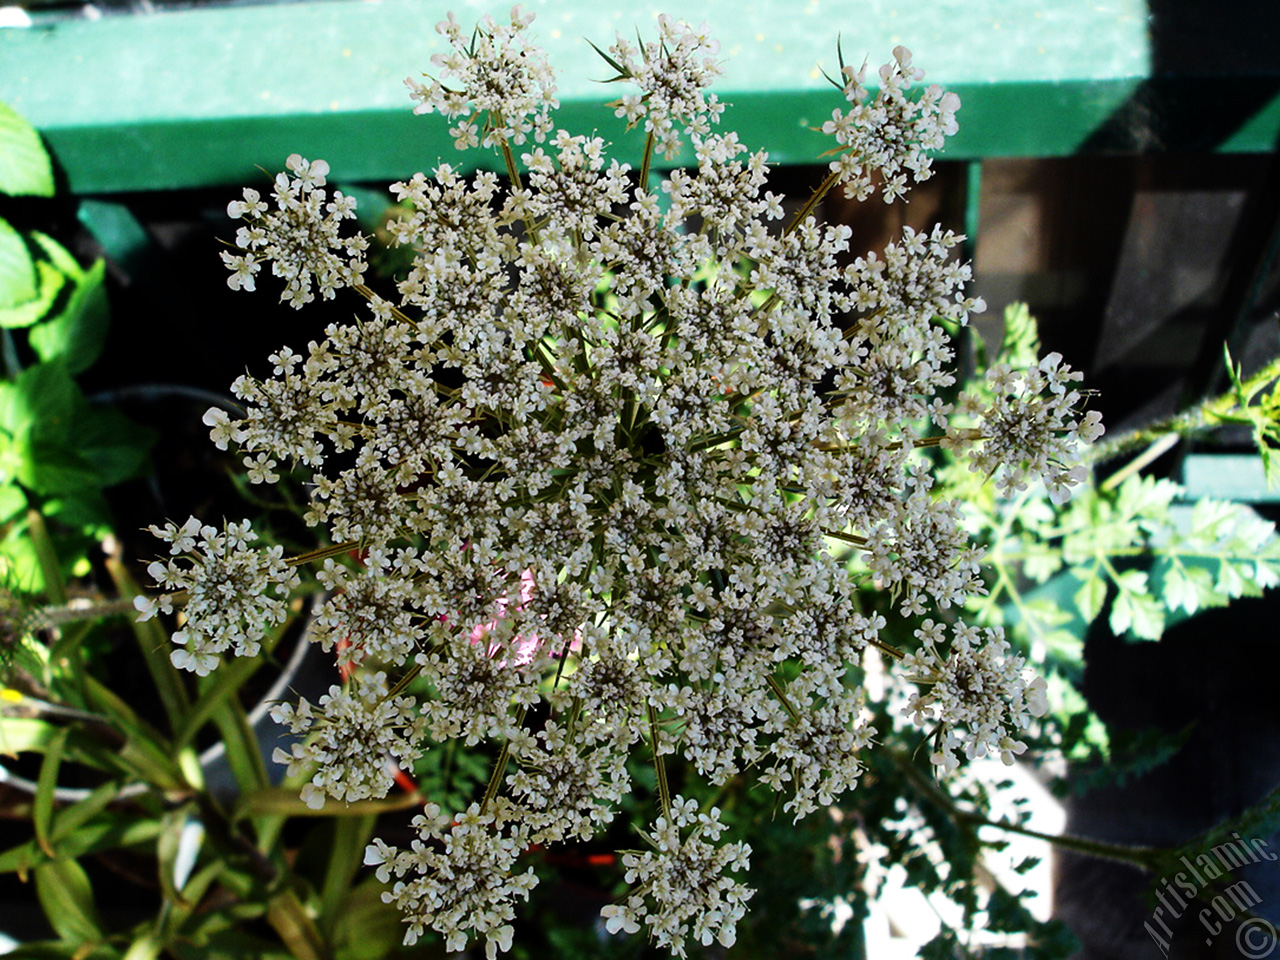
<point x="57" y="450"/>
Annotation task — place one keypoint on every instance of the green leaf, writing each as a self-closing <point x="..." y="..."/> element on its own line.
<point x="50" y="469"/>
<point x="64" y="892"/>
<point x="24" y="735"/>
<point x="146" y="753"/>
<point x="169" y="849"/>
<point x="1138" y="613"/>
<point x="78" y="333"/>
<point x="25" y="169"/>
<point x="366" y="928"/>
<point x="1091" y="596"/>
<point x="107" y="830"/>
<point x="44" y="401"/>
<point x="85" y="509"/>
<point x="12" y="502"/>
<point x="50" y="282"/>
<point x="71" y="819"/>
<point x="115" y="445"/>
<point x="42" y="805"/>
<point x="63" y="950"/>
<point x="59" y="256"/>
<point x="154" y="646"/>
<point x="241" y="744"/>
<point x="1021" y="344"/>
<point x="18" y="281"/>
<point x="1189" y="588"/>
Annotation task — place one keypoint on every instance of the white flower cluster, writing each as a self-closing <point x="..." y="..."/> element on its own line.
<point x="300" y="238"/>
<point x="502" y="77"/>
<point x="673" y="74"/>
<point x="977" y="692"/>
<point x="891" y="136"/>
<point x="234" y="593"/>
<point x="606" y="458"/>
<point x="461" y="880"/>
<point x="359" y="735"/>
<point x="1029" y="427"/>
<point x="680" y="886"/>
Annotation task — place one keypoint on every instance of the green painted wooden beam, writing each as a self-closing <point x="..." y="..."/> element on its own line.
<point x="198" y="97"/>
<point x="1227" y="476"/>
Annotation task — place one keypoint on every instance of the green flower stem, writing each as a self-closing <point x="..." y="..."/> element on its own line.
<point x="659" y="765"/>
<point x="781" y="694"/>
<point x="649" y="142"/>
<point x="1146" y="858"/>
<point x="499" y="768"/>
<point x="323" y="553"/>
<point x="1159" y="447"/>
<point x="83" y="612"/>
<point x="812" y="203"/>
<point x="403" y="682"/>
<point x="509" y="158"/>
<point x="1201" y="419"/>
<point x="548" y="365"/>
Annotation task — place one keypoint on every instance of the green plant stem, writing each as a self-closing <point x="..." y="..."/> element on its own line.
<point x="1199" y="419"/>
<point x="659" y="765"/>
<point x="1146" y="858"/>
<point x="499" y="768"/>
<point x="1159" y="447"/>
<point x="781" y="694"/>
<point x="649" y="142"/>
<point x="83" y="612"/>
<point x="812" y="203"/>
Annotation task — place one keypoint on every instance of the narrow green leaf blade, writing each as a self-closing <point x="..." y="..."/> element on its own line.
<point x="42" y="805"/>
<point x="66" y="897"/>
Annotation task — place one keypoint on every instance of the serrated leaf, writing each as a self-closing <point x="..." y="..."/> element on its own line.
<point x="1146" y="497"/>
<point x="44" y="400"/>
<point x="1021" y="344"/>
<point x="25" y="169"/>
<point x="115" y="445"/>
<point x="1091" y="596"/>
<point x="50" y="281"/>
<point x="1188" y="588"/>
<point x="1139" y="614"/>
<point x="1132" y="581"/>
<point x="1229" y="580"/>
<point x="17" y="269"/>
<point x="77" y="334"/>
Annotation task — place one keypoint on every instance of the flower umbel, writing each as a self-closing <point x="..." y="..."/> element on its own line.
<point x="300" y="238"/>
<point x="680" y="885"/>
<point x="234" y="592"/>
<point x="978" y="692"/>
<point x="629" y="474"/>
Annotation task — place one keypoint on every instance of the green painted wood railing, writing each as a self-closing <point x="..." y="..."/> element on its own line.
<point x="197" y="97"/>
